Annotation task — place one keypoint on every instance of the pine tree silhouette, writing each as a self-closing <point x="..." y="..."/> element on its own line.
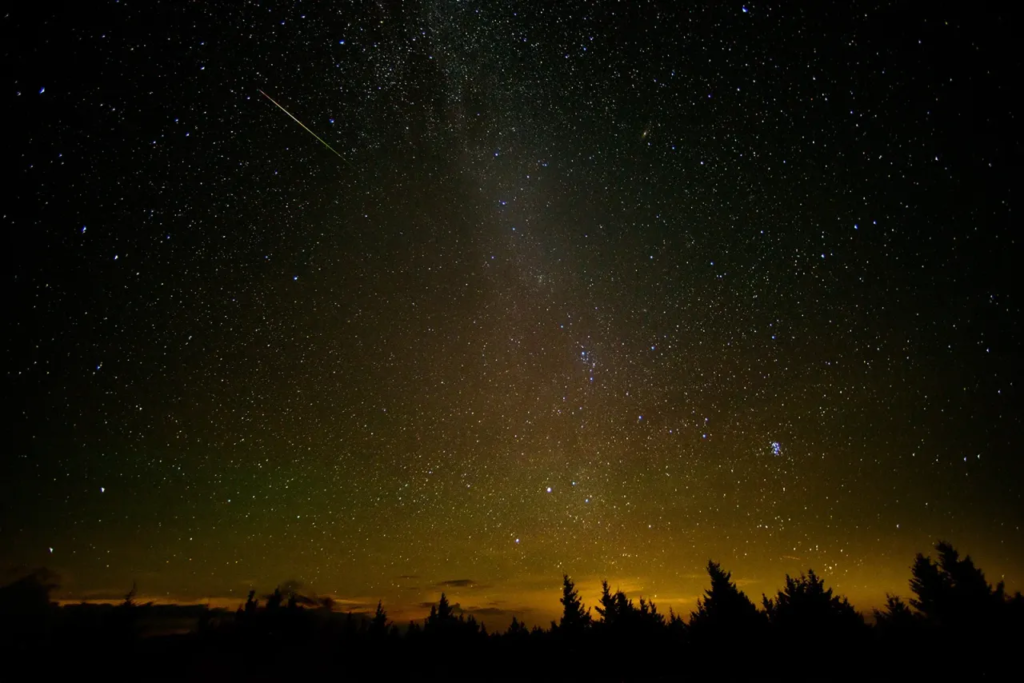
<point x="896" y="614"/>
<point x="441" y="617"/>
<point x="129" y="598"/>
<point x="470" y="626"/>
<point x="517" y="629"/>
<point x="251" y="604"/>
<point x="618" y="612"/>
<point x="649" y="616"/>
<point x="677" y="628"/>
<point x="274" y="600"/>
<point x="607" y="606"/>
<point x="964" y="615"/>
<point x="931" y="587"/>
<point x="953" y="611"/>
<point x="725" y="610"/>
<point x="953" y="592"/>
<point x="444" y="609"/>
<point x="379" y="623"/>
<point x="807" y="607"/>
<point x="805" y="611"/>
<point x="575" y="620"/>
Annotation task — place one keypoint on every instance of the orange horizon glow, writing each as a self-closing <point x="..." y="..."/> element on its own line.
<point x="534" y="603"/>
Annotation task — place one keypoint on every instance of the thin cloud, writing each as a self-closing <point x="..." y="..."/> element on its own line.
<point x="489" y="611"/>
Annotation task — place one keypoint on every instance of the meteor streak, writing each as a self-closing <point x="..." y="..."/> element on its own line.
<point x="302" y="124"/>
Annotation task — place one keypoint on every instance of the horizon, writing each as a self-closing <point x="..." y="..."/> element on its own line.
<point x="481" y="603"/>
<point x="953" y="610"/>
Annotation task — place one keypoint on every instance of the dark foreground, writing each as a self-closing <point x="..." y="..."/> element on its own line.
<point x="956" y="625"/>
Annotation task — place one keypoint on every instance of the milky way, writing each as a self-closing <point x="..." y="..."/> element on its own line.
<point x="604" y="288"/>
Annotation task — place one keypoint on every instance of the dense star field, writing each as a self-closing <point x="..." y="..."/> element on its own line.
<point x="599" y="288"/>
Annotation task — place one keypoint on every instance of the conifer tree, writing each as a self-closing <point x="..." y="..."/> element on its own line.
<point x="952" y="591"/>
<point x="444" y="609"/>
<point x="129" y="598"/>
<point x="441" y="615"/>
<point x="895" y="614"/>
<point x="574" y="618"/>
<point x="806" y="605"/>
<point x="275" y="599"/>
<point x="379" y="624"/>
<point x="516" y="629"/>
<point x="724" y="607"/>
<point x="251" y="604"/>
<point x="606" y="605"/>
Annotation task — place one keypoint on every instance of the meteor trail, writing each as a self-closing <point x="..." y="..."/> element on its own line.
<point x="302" y="124"/>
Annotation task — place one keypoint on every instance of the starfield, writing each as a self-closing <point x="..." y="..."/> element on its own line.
<point x="662" y="339"/>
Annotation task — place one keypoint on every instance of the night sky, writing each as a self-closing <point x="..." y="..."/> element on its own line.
<point x="600" y="288"/>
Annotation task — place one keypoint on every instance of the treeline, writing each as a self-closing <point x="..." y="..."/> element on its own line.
<point x="955" y="622"/>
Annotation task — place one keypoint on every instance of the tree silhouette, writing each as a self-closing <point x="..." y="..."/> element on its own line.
<point x="964" y="615"/>
<point x="895" y="614"/>
<point x="953" y="611"/>
<point x="606" y="605"/>
<point x="274" y="600"/>
<point x="251" y="604"/>
<point x="470" y="626"/>
<point x="725" y="610"/>
<point x="129" y="598"/>
<point x="123" y="622"/>
<point x="648" y="614"/>
<point x="575" y="619"/>
<point x="26" y="613"/>
<point x="444" y="609"/>
<point x="379" y="623"/>
<point x="29" y="595"/>
<point x="806" y="607"/>
<point x="517" y="629"/>
<point x="639" y="630"/>
<point x="1016" y="604"/>
<point x="615" y="608"/>
<point x="930" y="586"/>
<point x="677" y="628"/>
<point x="953" y="592"/>
<point x="351" y="628"/>
<point x="441" y="616"/>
